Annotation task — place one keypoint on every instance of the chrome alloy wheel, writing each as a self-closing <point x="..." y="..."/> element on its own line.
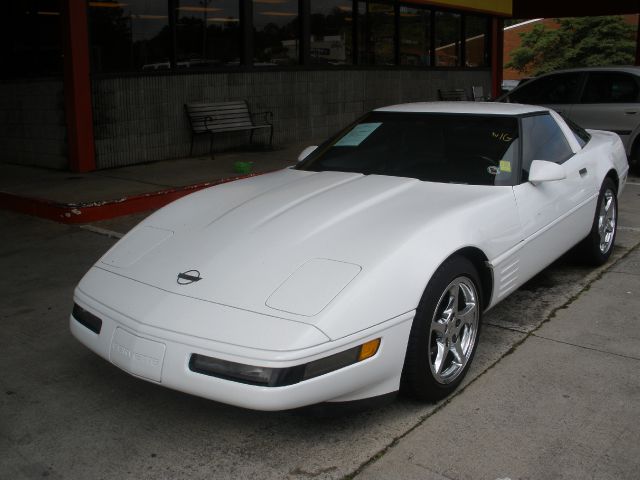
<point x="607" y="220"/>
<point x="453" y="330"/>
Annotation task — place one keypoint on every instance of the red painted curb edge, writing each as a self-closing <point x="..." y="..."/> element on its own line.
<point x="73" y="213"/>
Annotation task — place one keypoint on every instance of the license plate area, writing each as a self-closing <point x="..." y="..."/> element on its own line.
<point x="137" y="355"/>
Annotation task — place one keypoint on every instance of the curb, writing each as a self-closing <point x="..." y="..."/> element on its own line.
<point x="87" y="212"/>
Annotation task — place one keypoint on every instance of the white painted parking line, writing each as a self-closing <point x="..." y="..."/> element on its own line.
<point x="631" y="229"/>
<point x="633" y="183"/>
<point x="102" y="231"/>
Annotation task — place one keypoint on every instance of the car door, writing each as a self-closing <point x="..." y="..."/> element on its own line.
<point x="554" y="215"/>
<point x="558" y="91"/>
<point x="610" y="101"/>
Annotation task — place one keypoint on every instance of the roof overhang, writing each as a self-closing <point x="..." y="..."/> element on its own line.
<point x="501" y="8"/>
<point x="554" y="8"/>
<point x="538" y="8"/>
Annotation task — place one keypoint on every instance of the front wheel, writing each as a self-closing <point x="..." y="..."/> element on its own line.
<point x="597" y="247"/>
<point x="445" y="330"/>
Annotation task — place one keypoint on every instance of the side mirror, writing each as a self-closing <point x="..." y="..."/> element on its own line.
<point x="306" y="152"/>
<point x="544" y="171"/>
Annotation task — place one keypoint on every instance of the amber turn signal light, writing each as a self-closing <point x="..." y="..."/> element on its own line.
<point x="369" y="349"/>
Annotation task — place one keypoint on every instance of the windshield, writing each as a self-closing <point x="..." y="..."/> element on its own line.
<point x="446" y="148"/>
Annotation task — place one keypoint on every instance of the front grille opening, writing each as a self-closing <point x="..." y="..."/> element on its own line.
<point x="87" y="319"/>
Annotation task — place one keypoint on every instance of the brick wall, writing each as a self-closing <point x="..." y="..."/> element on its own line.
<point x="32" y="123"/>
<point x="141" y="119"/>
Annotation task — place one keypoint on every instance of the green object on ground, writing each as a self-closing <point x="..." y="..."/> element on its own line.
<point x="243" y="167"/>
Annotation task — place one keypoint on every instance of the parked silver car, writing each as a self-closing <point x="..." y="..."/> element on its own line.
<point x="606" y="98"/>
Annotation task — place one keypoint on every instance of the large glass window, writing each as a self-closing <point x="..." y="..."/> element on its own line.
<point x="30" y="41"/>
<point x="277" y="32"/>
<point x="476" y="38"/>
<point x="207" y="33"/>
<point x="415" y="36"/>
<point x="129" y="35"/>
<point x="331" y="32"/>
<point x="376" y="32"/>
<point x="448" y="34"/>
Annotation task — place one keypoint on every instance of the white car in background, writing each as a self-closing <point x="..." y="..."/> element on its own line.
<point x="602" y="98"/>
<point x="364" y="269"/>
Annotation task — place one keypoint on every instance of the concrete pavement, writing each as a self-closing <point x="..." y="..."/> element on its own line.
<point x="80" y="198"/>
<point x="564" y="404"/>
<point x="114" y="183"/>
<point x="553" y="391"/>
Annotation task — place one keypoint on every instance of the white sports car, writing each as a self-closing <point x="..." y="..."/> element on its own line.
<point x="364" y="269"/>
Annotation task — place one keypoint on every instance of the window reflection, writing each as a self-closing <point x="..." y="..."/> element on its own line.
<point x="448" y="34"/>
<point x="127" y="35"/>
<point x="207" y="33"/>
<point x="415" y="36"/>
<point x="131" y="35"/>
<point x="376" y="31"/>
<point x="31" y="36"/>
<point x="276" y="32"/>
<point x="476" y="34"/>
<point x="331" y="32"/>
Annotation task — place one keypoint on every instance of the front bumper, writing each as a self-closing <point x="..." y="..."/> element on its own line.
<point x="162" y="355"/>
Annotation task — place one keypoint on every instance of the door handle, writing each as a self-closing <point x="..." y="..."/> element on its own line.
<point x="582" y="172"/>
<point x="630" y="112"/>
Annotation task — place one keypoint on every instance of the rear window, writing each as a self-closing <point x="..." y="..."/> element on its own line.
<point x="582" y="136"/>
<point x="611" y="87"/>
<point x="553" y="89"/>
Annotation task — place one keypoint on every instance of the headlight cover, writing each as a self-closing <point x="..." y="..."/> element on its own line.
<point x="280" y="377"/>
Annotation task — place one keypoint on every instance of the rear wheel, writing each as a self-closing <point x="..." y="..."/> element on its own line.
<point x="445" y="330"/>
<point x="597" y="247"/>
<point x="634" y="158"/>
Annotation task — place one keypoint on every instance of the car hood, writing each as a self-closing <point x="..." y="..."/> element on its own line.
<point x="288" y="243"/>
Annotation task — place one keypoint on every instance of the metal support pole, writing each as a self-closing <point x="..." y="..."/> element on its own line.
<point x="304" y="14"/>
<point x="497" y="45"/>
<point x="77" y="87"/>
<point x="246" y="22"/>
<point x="638" y="42"/>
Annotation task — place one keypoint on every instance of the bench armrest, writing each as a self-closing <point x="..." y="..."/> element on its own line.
<point x="207" y="119"/>
<point x="267" y="117"/>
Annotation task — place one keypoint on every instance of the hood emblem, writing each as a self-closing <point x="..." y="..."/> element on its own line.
<point x="188" y="277"/>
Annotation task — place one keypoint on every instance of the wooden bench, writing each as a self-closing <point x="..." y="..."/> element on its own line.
<point x="221" y="117"/>
<point x="455" y="95"/>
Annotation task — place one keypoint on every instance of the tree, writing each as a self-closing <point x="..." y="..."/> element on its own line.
<point x="578" y="42"/>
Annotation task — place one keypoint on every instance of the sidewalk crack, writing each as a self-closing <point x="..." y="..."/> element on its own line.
<point x="593" y="349"/>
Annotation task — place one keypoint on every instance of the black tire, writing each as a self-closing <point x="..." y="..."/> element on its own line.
<point x="634" y="158"/>
<point x="419" y="376"/>
<point x="596" y="248"/>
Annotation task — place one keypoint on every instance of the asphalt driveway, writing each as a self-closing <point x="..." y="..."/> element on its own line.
<point x="554" y="391"/>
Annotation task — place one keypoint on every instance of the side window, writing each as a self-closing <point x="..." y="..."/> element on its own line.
<point x="582" y="136"/>
<point x="542" y="139"/>
<point x="610" y="87"/>
<point x="553" y="89"/>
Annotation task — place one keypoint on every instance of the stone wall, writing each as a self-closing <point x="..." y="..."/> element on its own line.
<point x="141" y="118"/>
<point x="32" y="123"/>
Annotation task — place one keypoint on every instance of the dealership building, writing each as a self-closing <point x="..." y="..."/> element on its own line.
<point x="98" y="84"/>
